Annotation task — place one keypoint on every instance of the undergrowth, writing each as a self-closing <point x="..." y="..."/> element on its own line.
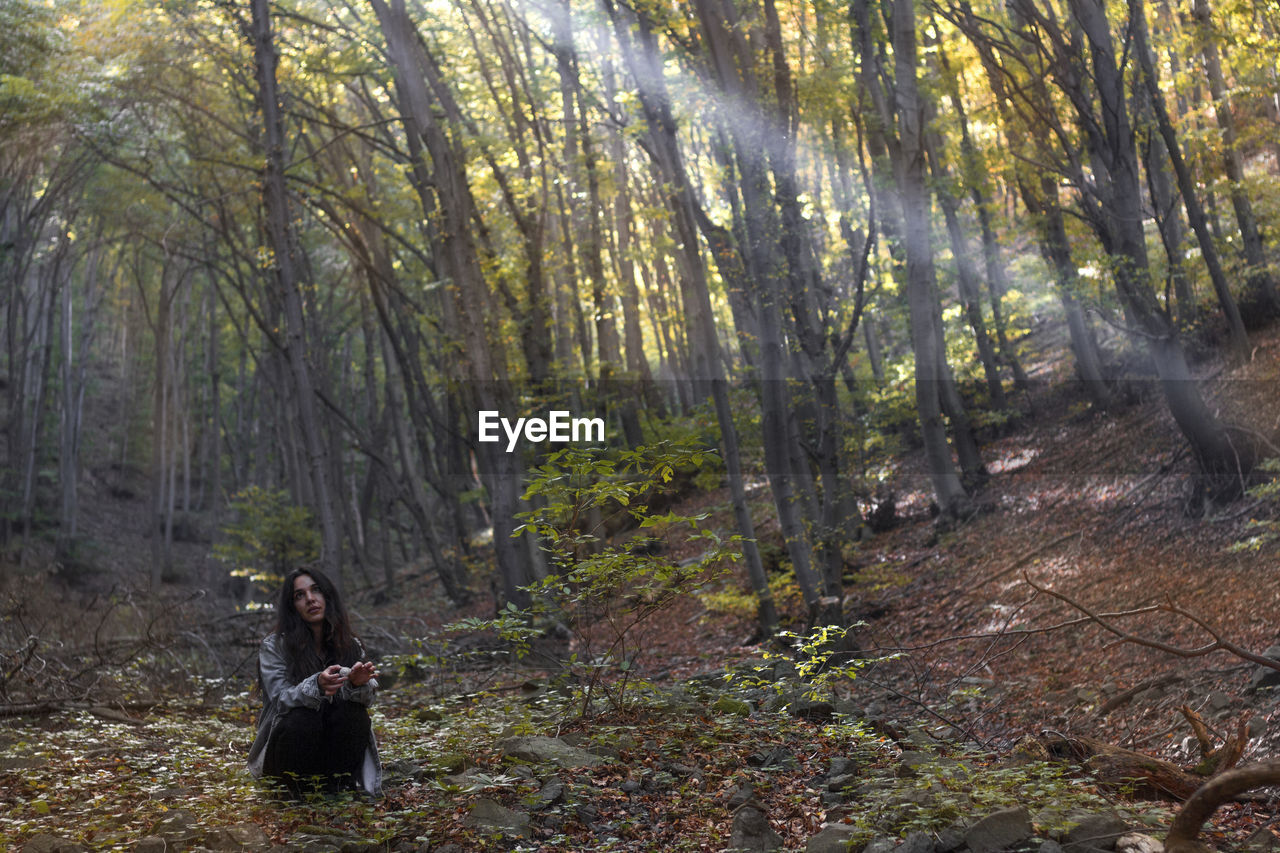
<point x="106" y="784"/>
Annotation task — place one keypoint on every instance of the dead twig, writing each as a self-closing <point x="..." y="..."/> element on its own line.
<point x="1218" y="644"/>
<point x="1123" y="698"/>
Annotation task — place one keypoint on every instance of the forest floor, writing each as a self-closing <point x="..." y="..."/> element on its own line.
<point x="974" y="639"/>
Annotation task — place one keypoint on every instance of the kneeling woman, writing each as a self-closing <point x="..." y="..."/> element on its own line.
<point x="316" y="694"/>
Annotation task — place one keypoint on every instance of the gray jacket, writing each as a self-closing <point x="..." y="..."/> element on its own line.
<point x="279" y="694"/>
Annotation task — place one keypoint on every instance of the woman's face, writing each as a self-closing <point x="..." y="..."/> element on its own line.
<point x="308" y="600"/>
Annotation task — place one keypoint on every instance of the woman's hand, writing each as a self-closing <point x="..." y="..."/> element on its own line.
<point x="331" y="679"/>
<point x="361" y="673"/>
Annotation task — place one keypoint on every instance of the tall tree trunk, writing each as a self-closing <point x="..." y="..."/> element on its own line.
<point x="922" y="302"/>
<point x="447" y="202"/>
<point x="1224" y="466"/>
<point x="639" y="51"/>
<point x="976" y="176"/>
<point x="279" y="223"/>
<point x="160" y="429"/>
<point x="966" y="275"/>
<point x="1239" y="341"/>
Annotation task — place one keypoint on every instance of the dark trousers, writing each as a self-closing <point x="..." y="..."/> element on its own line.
<point x="328" y="742"/>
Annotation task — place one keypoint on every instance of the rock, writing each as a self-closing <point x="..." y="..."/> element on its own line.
<point x="173" y="793"/>
<point x="842" y="767"/>
<point x="43" y="842"/>
<point x="880" y="844"/>
<point x="834" y="838"/>
<point x="9" y="763"/>
<point x="776" y="757"/>
<point x="659" y="781"/>
<point x="999" y="830"/>
<point x="241" y="836"/>
<point x="466" y="778"/>
<point x="916" y="842"/>
<point x="909" y="763"/>
<point x="683" y="770"/>
<point x="552" y="792"/>
<point x="1261" y="841"/>
<point x="1050" y="846"/>
<point x="805" y="708"/>
<point x="839" y="783"/>
<point x="394" y="772"/>
<point x="311" y="837"/>
<point x="730" y="705"/>
<point x="1265" y="676"/>
<point x="848" y="708"/>
<point x="1219" y="701"/>
<point x="630" y="786"/>
<point x="1136" y="842"/>
<point x="548" y="750"/>
<point x="356" y="844"/>
<point x="492" y="817"/>
<point x="177" y="827"/>
<point x="741" y="795"/>
<point x="315" y="843"/>
<point x="951" y="838"/>
<point x="150" y="844"/>
<point x="1257" y="727"/>
<point x="1152" y="694"/>
<point x="776" y="703"/>
<point x="1094" y="830"/>
<point x="751" y="831"/>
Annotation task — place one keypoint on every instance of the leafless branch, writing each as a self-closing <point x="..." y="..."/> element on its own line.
<point x="1104" y="621"/>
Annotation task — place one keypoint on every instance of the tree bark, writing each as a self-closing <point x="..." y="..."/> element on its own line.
<point x="922" y="301"/>
<point x="1224" y="467"/>
<point x="1239" y="340"/>
<point x="285" y="250"/>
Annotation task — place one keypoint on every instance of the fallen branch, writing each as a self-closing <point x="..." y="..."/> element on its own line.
<point x="104" y="713"/>
<point x="1123" y="698"/>
<point x="1117" y="767"/>
<point x="1201" y="805"/>
<point x="1218" y="644"/>
<point x="24" y="709"/>
<point x="1215" y="760"/>
<point x="1015" y="632"/>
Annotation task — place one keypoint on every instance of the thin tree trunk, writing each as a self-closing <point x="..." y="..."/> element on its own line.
<point x="953" y="502"/>
<point x="285" y="250"/>
<point x="966" y="275"/>
<point x="641" y="58"/>
<point x="1239" y="341"/>
<point x="1262" y="287"/>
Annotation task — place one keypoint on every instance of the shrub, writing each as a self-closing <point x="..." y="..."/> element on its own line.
<point x="604" y="592"/>
<point x="269" y="537"/>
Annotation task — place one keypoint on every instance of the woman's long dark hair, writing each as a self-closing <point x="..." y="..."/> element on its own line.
<point x="299" y="643"/>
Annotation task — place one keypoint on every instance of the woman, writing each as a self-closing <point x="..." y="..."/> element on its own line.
<point x="316" y="694"/>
